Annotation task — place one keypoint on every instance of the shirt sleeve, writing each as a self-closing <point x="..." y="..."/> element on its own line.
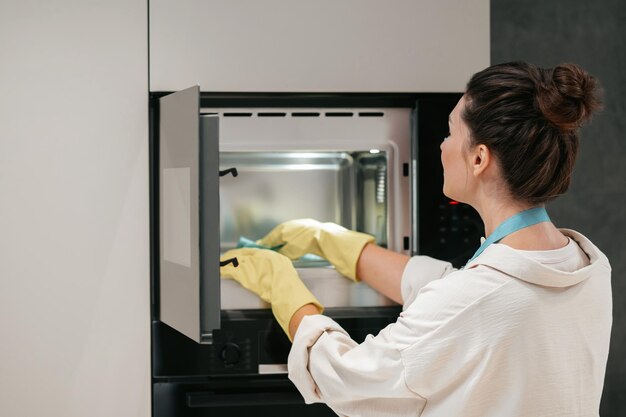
<point x="352" y="379"/>
<point x="331" y="341"/>
<point x="419" y="271"/>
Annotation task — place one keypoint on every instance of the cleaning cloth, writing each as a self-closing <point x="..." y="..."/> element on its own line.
<point x="306" y="260"/>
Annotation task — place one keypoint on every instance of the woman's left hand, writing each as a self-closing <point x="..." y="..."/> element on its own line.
<point x="272" y="277"/>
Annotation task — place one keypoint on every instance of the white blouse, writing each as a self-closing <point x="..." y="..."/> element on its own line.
<point x="515" y="333"/>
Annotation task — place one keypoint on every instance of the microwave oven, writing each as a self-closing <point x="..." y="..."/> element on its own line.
<point x="230" y="167"/>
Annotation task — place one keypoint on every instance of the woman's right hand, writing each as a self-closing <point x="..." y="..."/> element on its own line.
<point x="352" y="253"/>
<point x="338" y="245"/>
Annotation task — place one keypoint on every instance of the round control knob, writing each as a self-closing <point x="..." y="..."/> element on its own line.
<point x="230" y="353"/>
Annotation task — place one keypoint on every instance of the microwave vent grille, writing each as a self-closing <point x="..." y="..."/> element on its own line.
<point x="305" y="114"/>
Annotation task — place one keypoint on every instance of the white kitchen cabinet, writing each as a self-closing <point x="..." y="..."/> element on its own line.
<point x="74" y="209"/>
<point x="317" y="46"/>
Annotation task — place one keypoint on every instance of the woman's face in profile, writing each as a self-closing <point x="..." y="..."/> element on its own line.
<point x="454" y="155"/>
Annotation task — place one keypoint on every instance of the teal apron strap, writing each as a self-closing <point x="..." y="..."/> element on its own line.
<point x="514" y="223"/>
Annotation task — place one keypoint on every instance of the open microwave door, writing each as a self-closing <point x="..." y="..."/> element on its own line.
<point x="189" y="216"/>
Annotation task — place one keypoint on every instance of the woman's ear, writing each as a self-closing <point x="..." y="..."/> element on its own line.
<point x="480" y="159"/>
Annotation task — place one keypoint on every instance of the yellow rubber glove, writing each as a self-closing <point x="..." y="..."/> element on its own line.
<point x="272" y="277"/>
<point x="338" y="245"/>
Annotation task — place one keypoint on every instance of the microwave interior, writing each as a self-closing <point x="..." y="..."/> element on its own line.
<point x="343" y="187"/>
<point x="339" y="165"/>
<point x="348" y="188"/>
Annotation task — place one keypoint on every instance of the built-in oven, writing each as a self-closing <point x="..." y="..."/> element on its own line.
<point x="226" y="169"/>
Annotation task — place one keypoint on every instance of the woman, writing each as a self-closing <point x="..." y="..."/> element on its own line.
<point x="522" y="330"/>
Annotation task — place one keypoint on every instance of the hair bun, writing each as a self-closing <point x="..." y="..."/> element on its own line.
<point x="568" y="96"/>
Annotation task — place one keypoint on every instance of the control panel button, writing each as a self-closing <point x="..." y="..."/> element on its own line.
<point x="230" y="354"/>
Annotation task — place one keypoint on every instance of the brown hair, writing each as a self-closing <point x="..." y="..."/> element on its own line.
<point x="528" y="117"/>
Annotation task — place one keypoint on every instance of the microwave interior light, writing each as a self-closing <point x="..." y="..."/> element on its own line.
<point x="374" y="151"/>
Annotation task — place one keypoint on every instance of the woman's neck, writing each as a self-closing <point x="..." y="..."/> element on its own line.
<point x="541" y="236"/>
<point x="494" y="212"/>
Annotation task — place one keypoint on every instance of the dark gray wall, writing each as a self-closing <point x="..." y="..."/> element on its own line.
<point x="593" y="35"/>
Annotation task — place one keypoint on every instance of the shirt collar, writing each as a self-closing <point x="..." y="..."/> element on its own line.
<point x="508" y="260"/>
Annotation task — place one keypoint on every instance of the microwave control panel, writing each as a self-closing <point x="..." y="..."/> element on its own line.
<point x="250" y="343"/>
<point x="446" y="229"/>
<point x="458" y="233"/>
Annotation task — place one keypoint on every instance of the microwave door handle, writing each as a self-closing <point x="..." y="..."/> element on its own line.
<point x="234" y="261"/>
<point x="229" y="171"/>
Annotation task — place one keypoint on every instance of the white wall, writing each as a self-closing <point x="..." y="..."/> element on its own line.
<point x="317" y="46"/>
<point x="74" y="255"/>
